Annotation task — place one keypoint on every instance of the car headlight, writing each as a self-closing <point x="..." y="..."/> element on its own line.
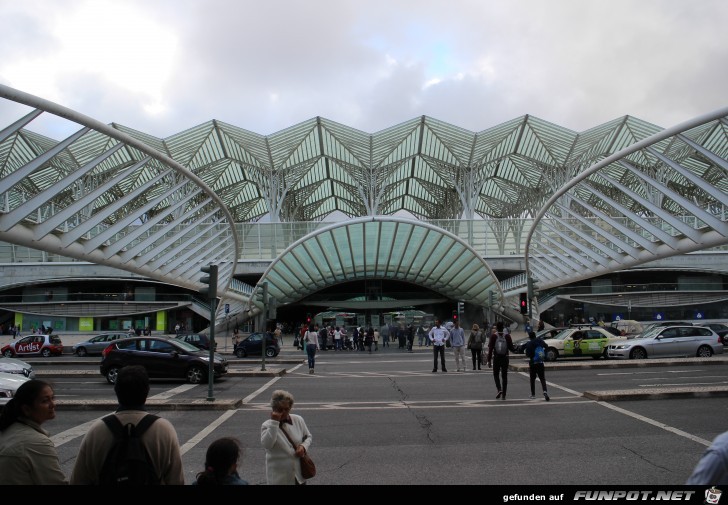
<point x="621" y="346"/>
<point x="6" y="393"/>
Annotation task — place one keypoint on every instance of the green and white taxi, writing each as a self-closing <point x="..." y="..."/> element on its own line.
<point x="580" y="341"/>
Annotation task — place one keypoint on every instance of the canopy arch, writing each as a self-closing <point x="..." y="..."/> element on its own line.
<point x="380" y="247"/>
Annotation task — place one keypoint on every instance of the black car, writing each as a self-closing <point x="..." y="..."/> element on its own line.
<point x="253" y="343"/>
<point x="199" y="340"/>
<point x="162" y="357"/>
<point x="520" y="345"/>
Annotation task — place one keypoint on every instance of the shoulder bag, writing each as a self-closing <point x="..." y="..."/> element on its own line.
<point x="308" y="467"/>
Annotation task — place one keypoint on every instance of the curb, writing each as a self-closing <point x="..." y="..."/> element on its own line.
<point x="657" y="393"/>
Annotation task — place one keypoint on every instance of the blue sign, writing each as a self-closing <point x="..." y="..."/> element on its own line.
<point x="227" y="308"/>
<point x="698" y="315"/>
<point x="659" y="316"/>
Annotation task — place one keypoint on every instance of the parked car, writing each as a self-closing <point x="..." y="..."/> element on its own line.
<point x="9" y="384"/>
<point x="15" y="366"/>
<point x="199" y="340"/>
<point x="95" y="345"/>
<point x="660" y="324"/>
<point x="669" y="342"/>
<point x="253" y="344"/>
<point x="520" y="345"/>
<point x="162" y="357"/>
<point x="721" y="329"/>
<point x="628" y="327"/>
<point x="34" y="345"/>
<point x="578" y="341"/>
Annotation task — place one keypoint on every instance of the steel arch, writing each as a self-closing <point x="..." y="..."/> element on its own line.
<point x="104" y="197"/>
<point x="662" y="196"/>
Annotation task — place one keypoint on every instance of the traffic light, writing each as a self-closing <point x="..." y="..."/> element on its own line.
<point x="308" y="317"/>
<point x="461" y="309"/>
<point x="454" y="315"/>
<point x="524" y="303"/>
<point x="209" y="292"/>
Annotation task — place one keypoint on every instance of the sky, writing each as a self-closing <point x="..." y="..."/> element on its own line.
<point x="162" y="67"/>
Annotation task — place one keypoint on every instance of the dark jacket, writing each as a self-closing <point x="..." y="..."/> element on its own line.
<point x="491" y="345"/>
<point x="531" y="346"/>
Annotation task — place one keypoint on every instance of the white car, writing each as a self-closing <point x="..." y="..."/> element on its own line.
<point x="580" y="341"/>
<point x="16" y="366"/>
<point x="9" y="384"/>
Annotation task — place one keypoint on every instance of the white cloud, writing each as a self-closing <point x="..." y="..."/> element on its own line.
<point x="165" y="66"/>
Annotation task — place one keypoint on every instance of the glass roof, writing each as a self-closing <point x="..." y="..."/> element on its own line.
<point x="381" y="248"/>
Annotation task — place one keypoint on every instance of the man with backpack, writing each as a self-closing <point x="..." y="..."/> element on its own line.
<point x="536" y="351"/>
<point x="498" y="346"/>
<point x="129" y="457"/>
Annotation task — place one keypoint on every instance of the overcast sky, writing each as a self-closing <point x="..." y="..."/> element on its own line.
<point x="162" y="66"/>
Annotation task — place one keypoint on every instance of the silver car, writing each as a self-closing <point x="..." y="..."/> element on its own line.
<point x="16" y="366"/>
<point x="95" y="345"/>
<point x="669" y="342"/>
<point x="9" y="384"/>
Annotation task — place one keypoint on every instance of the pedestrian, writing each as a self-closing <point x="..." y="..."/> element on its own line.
<point x="368" y="338"/>
<point x="438" y="336"/>
<point x="457" y="339"/>
<point x="310" y="339"/>
<point x="278" y="334"/>
<point x="536" y="350"/>
<point x="282" y="456"/>
<point x="221" y="464"/>
<point x="375" y="339"/>
<point x="712" y="469"/>
<point x="27" y="454"/>
<point x="410" y="337"/>
<point x="498" y="346"/>
<point x="160" y="440"/>
<point x="475" y="344"/>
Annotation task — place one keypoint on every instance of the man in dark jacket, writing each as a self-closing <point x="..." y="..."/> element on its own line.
<point x="498" y="357"/>
<point x="535" y="363"/>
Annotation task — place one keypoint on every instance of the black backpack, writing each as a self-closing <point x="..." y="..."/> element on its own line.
<point x="128" y="462"/>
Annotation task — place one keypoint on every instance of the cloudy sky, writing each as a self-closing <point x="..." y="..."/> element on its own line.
<point x="163" y="66"/>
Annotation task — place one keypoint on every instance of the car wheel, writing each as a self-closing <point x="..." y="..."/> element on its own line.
<point x="45" y="353"/>
<point x="552" y="354"/>
<point x="81" y="352"/>
<point x="638" y="353"/>
<point x="112" y="374"/>
<point x="8" y="353"/>
<point x="705" y="351"/>
<point x="195" y="375"/>
<point x="270" y="352"/>
<point x="240" y="353"/>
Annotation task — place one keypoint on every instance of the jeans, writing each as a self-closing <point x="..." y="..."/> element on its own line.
<point x="477" y="355"/>
<point x="500" y="370"/>
<point x="311" y="353"/>
<point x="537" y="369"/>
<point x="439" y="349"/>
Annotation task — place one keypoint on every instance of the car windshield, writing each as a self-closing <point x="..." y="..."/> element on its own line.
<point x="649" y="333"/>
<point x="55" y="339"/>
<point x="563" y="334"/>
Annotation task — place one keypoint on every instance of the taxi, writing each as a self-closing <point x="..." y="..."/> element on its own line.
<point x="34" y="345"/>
<point x="580" y="341"/>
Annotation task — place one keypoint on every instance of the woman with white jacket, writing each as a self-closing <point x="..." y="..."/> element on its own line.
<point x="282" y="459"/>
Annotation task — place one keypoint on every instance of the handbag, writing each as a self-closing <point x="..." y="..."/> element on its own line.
<point x="447" y="343"/>
<point x="308" y="467"/>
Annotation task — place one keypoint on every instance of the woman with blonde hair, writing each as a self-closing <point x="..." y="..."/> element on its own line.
<point x="282" y="455"/>
<point x="475" y="344"/>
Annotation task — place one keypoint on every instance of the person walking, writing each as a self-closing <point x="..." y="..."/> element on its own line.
<point x="498" y="346"/>
<point x="282" y="456"/>
<point x="160" y="439"/>
<point x="457" y="339"/>
<point x="536" y="350"/>
<point x="375" y="340"/>
<point x="27" y="454"/>
<point x="221" y="464"/>
<point x="438" y="336"/>
<point x="475" y="344"/>
<point x="310" y="339"/>
<point x="368" y="339"/>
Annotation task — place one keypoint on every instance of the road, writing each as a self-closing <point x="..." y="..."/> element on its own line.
<point x="384" y="418"/>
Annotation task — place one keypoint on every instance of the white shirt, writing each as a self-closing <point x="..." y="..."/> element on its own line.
<point x="439" y="335"/>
